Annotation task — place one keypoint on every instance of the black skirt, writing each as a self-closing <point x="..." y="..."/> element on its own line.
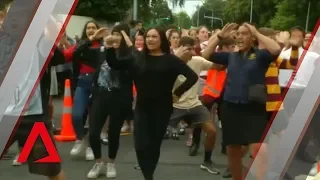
<point x="243" y="124"/>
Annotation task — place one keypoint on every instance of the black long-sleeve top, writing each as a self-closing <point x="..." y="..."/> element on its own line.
<point x="154" y="82"/>
<point x="79" y="54"/>
<point x="116" y="80"/>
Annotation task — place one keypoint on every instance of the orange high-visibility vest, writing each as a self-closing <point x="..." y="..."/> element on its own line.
<point x="214" y="83"/>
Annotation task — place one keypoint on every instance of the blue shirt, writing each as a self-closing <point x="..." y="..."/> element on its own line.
<point x="244" y="70"/>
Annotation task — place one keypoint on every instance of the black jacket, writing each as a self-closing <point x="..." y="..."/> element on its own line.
<point x="121" y="79"/>
<point x="82" y="55"/>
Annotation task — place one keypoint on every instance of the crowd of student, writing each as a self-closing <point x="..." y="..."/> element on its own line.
<point x="161" y="84"/>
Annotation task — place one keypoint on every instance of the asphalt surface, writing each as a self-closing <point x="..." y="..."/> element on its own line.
<point x="175" y="164"/>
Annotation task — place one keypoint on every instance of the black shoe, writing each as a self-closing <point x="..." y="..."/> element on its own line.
<point x="193" y="150"/>
<point x="306" y="158"/>
<point x="175" y="136"/>
<point x="227" y="173"/>
<point x="209" y="166"/>
<point x="104" y="141"/>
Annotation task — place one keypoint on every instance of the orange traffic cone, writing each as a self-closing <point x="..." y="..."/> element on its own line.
<point x="67" y="132"/>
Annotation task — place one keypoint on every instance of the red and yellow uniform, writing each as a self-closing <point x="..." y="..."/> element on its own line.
<point x="272" y="78"/>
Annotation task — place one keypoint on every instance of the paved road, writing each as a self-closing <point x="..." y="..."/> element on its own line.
<point x="174" y="163"/>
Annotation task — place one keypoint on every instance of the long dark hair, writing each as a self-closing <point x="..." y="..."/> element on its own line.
<point x="141" y="57"/>
<point x="139" y="33"/>
<point x="123" y="48"/>
<point x="165" y="44"/>
<point x="84" y="34"/>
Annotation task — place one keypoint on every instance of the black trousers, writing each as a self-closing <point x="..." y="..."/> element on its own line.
<point x="107" y="103"/>
<point x="148" y="139"/>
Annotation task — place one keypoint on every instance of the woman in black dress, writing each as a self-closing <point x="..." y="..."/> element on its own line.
<point x="154" y="71"/>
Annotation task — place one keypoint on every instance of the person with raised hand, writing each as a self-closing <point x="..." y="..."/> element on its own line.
<point x="189" y="108"/>
<point x="244" y="101"/>
<point x="84" y="68"/>
<point x="112" y="97"/>
<point x="154" y="71"/>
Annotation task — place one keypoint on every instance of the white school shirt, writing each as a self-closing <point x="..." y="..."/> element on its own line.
<point x="21" y="93"/>
<point x="190" y="98"/>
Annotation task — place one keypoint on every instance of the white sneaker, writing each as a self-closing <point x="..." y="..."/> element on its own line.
<point x="15" y="161"/>
<point x="89" y="154"/>
<point x="104" y="138"/>
<point x="125" y="128"/>
<point x="111" y="170"/>
<point x="103" y="135"/>
<point x="314" y="170"/>
<point x="97" y="170"/>
<point x="77" y="148"/>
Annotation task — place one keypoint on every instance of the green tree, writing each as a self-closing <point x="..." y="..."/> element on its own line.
<point x="198" y="17"/>
<point x="158" y="12"/>
<point x="294" y="13"/>
<point x="178" y="2"/>
<point x="236" y="11"/>
<point x="110" y="10"/>
<point x="216" y="6"/>
<point x="209" y="8"/>
<point x="279" y="14"/>
<point x="118" y="10"/>
<point x="182" y="20"/>
<point x="239" y="11"/>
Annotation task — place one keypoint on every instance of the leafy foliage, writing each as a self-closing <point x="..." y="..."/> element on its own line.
<point x="156" y="13"/>
<point x="111" y="10"/>
<point x="278" y="14"/>
<point x="178" y="2"/>
<point x="182" y="20"/>
<point x="294" y="12"/>
<point x="118" y="10"/>
<point x="210" y="8"/>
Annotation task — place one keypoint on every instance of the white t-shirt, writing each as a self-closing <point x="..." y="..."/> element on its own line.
<point x="305" y="70"/>
<point x="25" y="87"/>
<point x="190" y="98"/>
